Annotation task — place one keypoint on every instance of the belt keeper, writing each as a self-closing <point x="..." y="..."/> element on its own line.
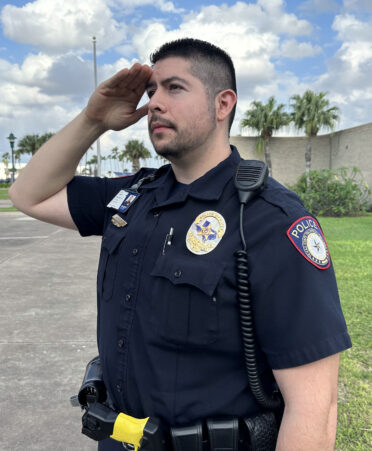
<point x="223" y="434"/>
<point x="188" y="438"/>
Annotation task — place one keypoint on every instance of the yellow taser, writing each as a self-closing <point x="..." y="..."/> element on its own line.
<point x="129" y="429"/>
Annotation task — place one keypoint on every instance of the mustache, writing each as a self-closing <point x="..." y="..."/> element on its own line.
<point x="162" y="121"/>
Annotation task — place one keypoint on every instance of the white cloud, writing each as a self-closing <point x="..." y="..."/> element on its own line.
<point x="348" y="78"/>
<point x="130" y="5"/>
<point x="67" y="75"/>
<point x="282" y="22"/>
<point x="57" y="25"/>
<point x="297" y="50"/>
<point x="264" y="16"/>
<point x="350" y="28"/>
<point x="358" y="5"/>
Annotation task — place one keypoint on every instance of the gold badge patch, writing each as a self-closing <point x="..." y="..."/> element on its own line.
<point x="118" y="221"/>
<point x="205" y="232"/>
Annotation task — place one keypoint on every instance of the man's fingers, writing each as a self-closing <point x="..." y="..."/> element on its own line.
<point x="140" y="83"/>
<point x="141" y="112"/>
<point x="136" y="76"/>
<point x="116" y="79"/>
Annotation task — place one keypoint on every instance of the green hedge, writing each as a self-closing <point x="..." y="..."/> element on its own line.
<point x="341" y="192"/>
<point x="4" y="185"/>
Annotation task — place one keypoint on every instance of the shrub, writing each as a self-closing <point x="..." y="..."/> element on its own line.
<point x="4" y="185"/>
<point x="341" y="192"/>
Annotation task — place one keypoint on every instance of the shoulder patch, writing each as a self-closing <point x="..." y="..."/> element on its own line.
<point x="307" y="237"/>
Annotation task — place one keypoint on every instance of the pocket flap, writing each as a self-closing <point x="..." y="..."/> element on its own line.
<point x="201" y="274"/>
<point x="113" y="237"/>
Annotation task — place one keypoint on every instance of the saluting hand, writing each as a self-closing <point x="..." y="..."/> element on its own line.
<point x="114" y="103"/>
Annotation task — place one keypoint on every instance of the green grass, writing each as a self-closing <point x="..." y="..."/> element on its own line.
<point x="4" y="193"/>
<point x="350" y="244"/>
<point x="7" y="209"/>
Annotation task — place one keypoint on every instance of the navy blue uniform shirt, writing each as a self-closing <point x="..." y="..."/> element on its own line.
<point x="168" y="319"/>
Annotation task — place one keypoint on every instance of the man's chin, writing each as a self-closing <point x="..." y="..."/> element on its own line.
<point x="169" y="153"/>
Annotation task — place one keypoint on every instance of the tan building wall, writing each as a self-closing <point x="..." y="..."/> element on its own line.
<point x="345" y="148"/>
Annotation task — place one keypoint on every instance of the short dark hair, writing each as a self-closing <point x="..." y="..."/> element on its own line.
<point x="212" y="65"/>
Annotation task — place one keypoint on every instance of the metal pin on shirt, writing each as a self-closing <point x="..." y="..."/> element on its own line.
<point x="168" y="240"/>
<point x="118" y="221"/>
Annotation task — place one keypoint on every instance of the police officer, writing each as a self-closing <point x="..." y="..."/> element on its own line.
<point x="168" y="318"/>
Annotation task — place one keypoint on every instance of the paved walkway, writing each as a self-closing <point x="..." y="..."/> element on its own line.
<point x="5" y="203"/>
<point x="47" y="333"/>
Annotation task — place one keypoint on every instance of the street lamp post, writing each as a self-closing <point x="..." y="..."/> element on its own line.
<point x="12" y="139"/>
<point x="98" y="142"/>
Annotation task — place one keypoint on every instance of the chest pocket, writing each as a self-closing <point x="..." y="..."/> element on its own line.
<point x="108" y="262"/>
<point x="185" y="308"/>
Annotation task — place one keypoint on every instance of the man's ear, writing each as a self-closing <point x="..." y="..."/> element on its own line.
<point x="225" y="101"/>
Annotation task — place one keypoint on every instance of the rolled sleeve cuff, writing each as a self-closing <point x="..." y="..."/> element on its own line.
<point x="311" y="353"/>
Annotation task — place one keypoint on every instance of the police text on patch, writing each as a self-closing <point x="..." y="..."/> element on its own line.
<point x="307" y="237"/>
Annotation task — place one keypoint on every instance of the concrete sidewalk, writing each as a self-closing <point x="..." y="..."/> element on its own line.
<point x="47" y="333"/>
<point x="5" y="203"/>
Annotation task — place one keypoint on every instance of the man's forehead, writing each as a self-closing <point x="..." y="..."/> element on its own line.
<point x="172" y="67"/>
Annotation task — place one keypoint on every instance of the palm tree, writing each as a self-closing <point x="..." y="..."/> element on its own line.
<point x="161" y="159"/>
<point x="17" y="158"/>
<point x="5" y="160"/>
<point x="134" y="151"/>
<point x="114" y="155"/>
<point x="265" y="119"/>
<point x="311" y="112"/>
<point x="92" y="163"/>
<point x="44" y="138"/>
<point x="32" y="143"/>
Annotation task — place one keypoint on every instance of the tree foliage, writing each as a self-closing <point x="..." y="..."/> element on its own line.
<point x="31" y="143"/>
<point x="92" y="163"/>
<point x="134" y="151"/>
<point x="265" y="119"/>
<point x="341" y="192"/>
<point x="310" y="113"/>
<point x="5" y="160"/>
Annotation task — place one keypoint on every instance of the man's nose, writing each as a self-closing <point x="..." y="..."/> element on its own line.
<point x="157" y="102"/>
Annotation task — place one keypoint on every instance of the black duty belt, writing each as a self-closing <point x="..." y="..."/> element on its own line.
<point x="258" y="433"/>
<point x="101" y="420"/>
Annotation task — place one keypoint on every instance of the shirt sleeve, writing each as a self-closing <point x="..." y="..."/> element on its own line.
<point x="88" y="198"/>
<point x="87" y="203"/>
<point x="296" y="305"/>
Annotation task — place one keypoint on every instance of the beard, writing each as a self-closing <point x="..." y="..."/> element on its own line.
<point x="179" y="143"/>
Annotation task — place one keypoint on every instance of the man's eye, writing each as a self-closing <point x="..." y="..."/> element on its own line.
<point x="150" y="93"/>
<point x="173" y="87"/>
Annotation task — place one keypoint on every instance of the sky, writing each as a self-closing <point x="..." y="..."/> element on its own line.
<point x="279" y="48"/>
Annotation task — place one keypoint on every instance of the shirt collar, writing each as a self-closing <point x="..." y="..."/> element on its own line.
<point x="207" y="187"/>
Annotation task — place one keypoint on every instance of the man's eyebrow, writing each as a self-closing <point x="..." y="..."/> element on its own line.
<point x="151" y="84"/>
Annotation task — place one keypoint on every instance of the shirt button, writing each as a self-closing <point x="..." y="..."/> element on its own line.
<point x="118" y="388"/>
<point x="156" y="214"/>
<point x="128" y="297"/>
<point x="177" y="273"/>
<point x="121" y="343"/>
<point x="135" y="251"/>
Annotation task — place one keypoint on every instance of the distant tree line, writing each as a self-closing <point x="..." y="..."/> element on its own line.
<point x="133" y="151"/>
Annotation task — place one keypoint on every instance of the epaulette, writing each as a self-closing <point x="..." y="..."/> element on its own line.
<point x="278" y="195"/>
